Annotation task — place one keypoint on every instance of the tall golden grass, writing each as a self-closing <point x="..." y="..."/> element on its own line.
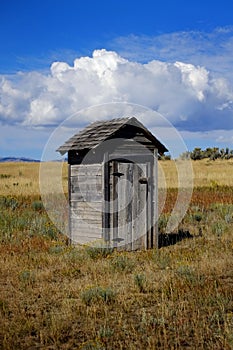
<point x="205" y="172"/>
<point x="24" y="177"/>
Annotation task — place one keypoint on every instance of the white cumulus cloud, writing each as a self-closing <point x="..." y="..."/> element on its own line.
<point x="189" y="96"/>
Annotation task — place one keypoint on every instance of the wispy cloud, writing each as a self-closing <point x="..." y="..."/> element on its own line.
<point x="213" y="50"/>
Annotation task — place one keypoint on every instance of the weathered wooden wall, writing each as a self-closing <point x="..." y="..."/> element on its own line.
<point x="116" y="201"/>
<point x="85" y="191"/>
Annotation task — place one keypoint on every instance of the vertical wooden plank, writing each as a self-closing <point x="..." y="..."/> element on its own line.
<point x="155" y="200"/>
<point x="111" y="203"/>
<point x="139" y="209"/>
<point x="86" y="202"/>
<point x="69" y="201"/>
<point x="121" y="199"/>
<point x="149" y="208"/>
<point x="150" y="204"/>
<point x="142" y="206"/>
<point x="134" y="206"/>
<point x="106" y="197"/>
<point x="125" y="204"/>
<point x="115" y="204"/>
<point x="129" y="198"/>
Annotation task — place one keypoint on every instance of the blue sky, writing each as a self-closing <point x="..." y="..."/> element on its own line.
<point x="60" y="57"/>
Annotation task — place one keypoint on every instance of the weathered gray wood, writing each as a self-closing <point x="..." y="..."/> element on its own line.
<point x="129" y="197"/>
<point x="133" y="194"/>
<point x="86" y="187"/>
<point x="84" y="231"/>
<point x="105" y="196"/>
<point x="149" y="243"/>
<point x="75" y="208"/>
<point x="85" y="169"/>
<point x="86" y="196"/>
<point x="140" y="207"/>
<point x="88" y="206"/>
<point x="155" y="201"/>
<point x="86" y="183"/>
<point x="130" y="224"/>
<point x="76" y="215"/>
<point x="134" y="208"/>
<point x="69" y="199"/>
<point x="87" y="179"/>
<point x="88" y="226"/>
<point x="115" y="205"/>
<point x="86" y="218"/>
<point x="125" y="195"/>
<point x="111" y="182"/>
<point x="121" y="189"/>
<point x="130" y="157"/>
<point x="129" y="218"/>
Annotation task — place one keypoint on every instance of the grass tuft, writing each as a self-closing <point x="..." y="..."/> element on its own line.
<point x="94" y="295"/>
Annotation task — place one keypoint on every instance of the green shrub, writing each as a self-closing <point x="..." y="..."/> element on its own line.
<point x="197" y="217"/>
<point x="188" y="274"/>
<point x="162" y="261"/>
<point x="51" y="232"/>
<point x="37" y="205"/>
<point x="140" y="281"/>
<point x="41" y="226"/>
<point x="218" y="228"/>
<point x="27" y="277"/>
<point x="105" y="332"/>
<point x="56" y="249"/>
<point x="9" y="203"/>
<point x="122" y="263"/>
<point x="96" y="294"/>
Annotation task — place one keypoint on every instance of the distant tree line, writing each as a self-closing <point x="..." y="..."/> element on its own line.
<point x="209" y="153"/>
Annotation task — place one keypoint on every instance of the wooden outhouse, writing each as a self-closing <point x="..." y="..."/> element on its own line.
<point x="113" y="184"/>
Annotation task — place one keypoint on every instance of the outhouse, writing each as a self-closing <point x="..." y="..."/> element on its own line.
<point x="112" y="180"/>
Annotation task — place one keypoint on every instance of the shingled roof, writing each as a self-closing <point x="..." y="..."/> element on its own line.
<point x="95" y="133"/>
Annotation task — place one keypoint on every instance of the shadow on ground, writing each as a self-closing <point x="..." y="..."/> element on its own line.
<point x="166" y="239"/>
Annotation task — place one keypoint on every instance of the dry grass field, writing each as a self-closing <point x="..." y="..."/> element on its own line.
<point x="54" y="296"/>
<point x="205" y="172"/>
<point x="23" y="178"/>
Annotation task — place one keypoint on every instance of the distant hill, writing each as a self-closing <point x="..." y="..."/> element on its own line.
<point x="18" y="159"/>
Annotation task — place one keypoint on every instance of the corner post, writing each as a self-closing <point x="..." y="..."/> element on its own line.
<point x="69" y="206"/>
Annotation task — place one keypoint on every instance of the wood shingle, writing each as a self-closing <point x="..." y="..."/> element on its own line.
<point x="97" y="132"/>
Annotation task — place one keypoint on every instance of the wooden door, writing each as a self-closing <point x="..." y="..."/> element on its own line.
<point x="131" y="204"/>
